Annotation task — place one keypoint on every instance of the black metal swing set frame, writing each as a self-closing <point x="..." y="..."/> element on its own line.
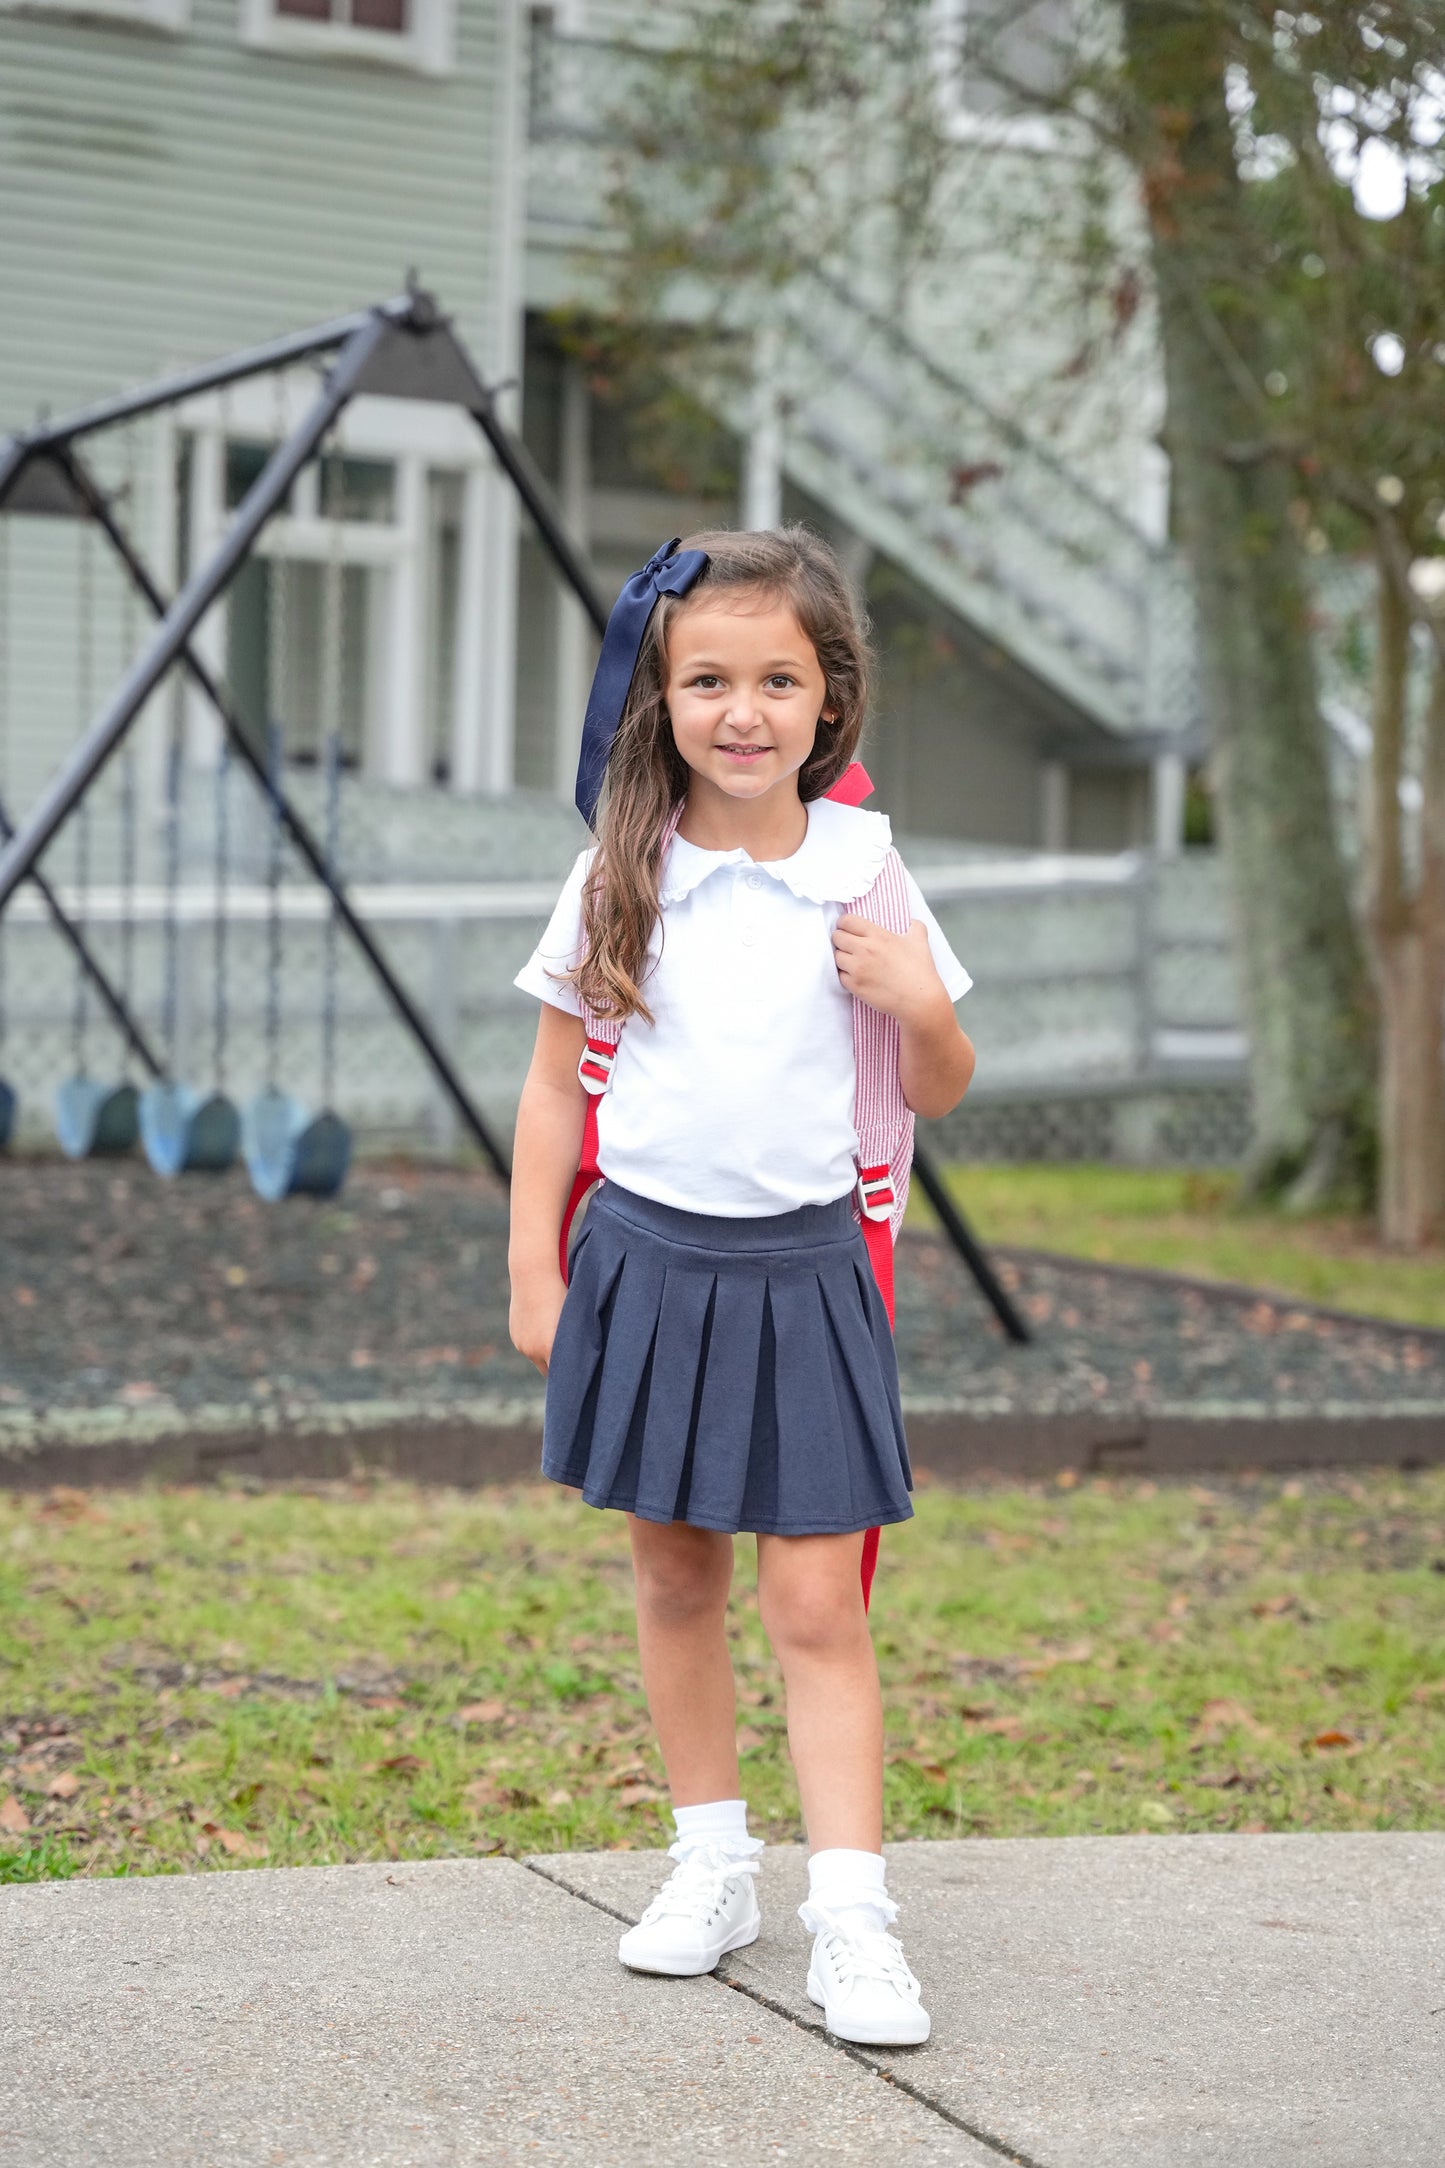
<point x="402" y="348"/>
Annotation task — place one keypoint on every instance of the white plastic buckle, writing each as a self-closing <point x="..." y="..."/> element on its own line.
<point x="876" y="1198"/>
<point x="595" y="1066"/>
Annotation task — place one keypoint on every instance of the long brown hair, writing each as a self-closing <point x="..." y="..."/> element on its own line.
<point x="647" y="776"/>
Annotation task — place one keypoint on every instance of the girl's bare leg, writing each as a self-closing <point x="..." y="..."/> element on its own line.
<point x="683" y="1576"/>
<point x="811" y="1599"/>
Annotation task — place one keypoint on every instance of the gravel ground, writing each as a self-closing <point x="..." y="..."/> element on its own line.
<point x="119" y="1290"/>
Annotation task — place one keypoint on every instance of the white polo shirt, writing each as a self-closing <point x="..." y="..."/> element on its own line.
<point x="738" y="1098"/>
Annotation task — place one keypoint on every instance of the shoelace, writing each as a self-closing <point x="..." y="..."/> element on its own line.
<point x="863" y="1953"/>
<point x="697" y="1884"/>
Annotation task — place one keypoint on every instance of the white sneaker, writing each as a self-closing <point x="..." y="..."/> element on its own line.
<point x="860" y="1977"/>
<point x="706" y="1907"/>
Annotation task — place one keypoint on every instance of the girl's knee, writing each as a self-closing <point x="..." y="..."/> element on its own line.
<point x="682" y="1574"/>
<point x="822" y="1617"/>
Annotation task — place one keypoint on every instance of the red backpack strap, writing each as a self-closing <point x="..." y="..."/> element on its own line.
<point x="594" y="1073"/>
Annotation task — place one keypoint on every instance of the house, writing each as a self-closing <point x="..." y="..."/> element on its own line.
<point x="184" y="178"/>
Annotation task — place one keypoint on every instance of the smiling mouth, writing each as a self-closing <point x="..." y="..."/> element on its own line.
<point x="744" y="752"/>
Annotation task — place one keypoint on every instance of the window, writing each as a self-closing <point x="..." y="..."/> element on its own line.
<point x="407" y="33"/>
<point x="990" y="55"/>
<point x="148" y="14"/>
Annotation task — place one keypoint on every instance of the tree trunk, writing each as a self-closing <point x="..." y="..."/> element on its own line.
<point x="1408" y="931"/>
<point x="1304" y="988"/>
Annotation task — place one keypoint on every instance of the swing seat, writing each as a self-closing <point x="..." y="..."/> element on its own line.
<point x="186" y="1131"/>
<point x="95" y="1120"/>
<point x="7" y="1112"/>
<point x="291" y="1153"/>
<point x="323" y="1155"/>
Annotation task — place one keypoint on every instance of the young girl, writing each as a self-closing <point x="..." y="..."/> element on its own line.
<point x="721" y="1358"/>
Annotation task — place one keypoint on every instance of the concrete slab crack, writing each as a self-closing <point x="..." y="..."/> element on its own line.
<point x="986" y="2138"/>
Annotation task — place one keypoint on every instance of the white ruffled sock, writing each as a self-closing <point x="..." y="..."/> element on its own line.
<point x="720" y="1825"/>
<point x="852" y="1886"/>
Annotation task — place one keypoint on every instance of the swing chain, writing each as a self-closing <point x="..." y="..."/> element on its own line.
<point x="85" y="603"/>
<point x="128" y="773"/>
<point x="273" y="878"/>
<point x="5" y="667"/>
<point x="334" y="652"/>
<point x="170" y="1002"/>
<point x="221" y="922"/>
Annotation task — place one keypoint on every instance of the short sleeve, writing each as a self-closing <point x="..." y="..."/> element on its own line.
<point x="945" y="963"/>
<point x="560" y="948"/>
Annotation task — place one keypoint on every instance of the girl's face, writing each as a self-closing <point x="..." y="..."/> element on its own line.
<point x="744" y="691"/>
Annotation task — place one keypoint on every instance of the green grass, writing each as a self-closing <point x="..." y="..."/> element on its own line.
<point x="1193" y="1222"/>
<point x="219" y="1677"/>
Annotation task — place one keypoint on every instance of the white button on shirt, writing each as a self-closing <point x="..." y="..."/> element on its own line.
<point x="738" y="1098"/>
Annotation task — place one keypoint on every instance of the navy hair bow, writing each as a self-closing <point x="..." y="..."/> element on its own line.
<point x="671" y="572"/>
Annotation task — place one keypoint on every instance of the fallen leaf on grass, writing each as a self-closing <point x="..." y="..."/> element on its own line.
<point x="239" y="1845"/>
<point x="482" y="1712"/>
<point x="559" y="1798"/>
<point x="749" y="1740"/>
<point x="13" y="1817"/>
<point x="640" y="1795"/>
<point x="1218" y="1717"/>
<point x="1078" y="1652"/>
<point x="1003" y="1727"/>
<point x="978" y="1712"/>
<point x="402" y="1764"/>
<point x="234" y="1841"/>
<point x="482" y="1793"/>
<point x="1334" y="1738"/>
<point x="64" y="1786"/>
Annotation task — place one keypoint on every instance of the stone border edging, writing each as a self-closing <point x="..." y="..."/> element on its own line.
<point x="479" y="1442"/>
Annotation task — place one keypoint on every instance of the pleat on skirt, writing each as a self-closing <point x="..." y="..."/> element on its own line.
<point x="737" y="1374"/>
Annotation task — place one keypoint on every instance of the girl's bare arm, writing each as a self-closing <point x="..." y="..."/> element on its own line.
<point x="548" y="1143"/>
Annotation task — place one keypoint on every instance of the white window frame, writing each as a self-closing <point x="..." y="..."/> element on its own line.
<point x="172" y="16"/>
<point x="415" y="436"/>
<point x="1017" y="131"/>
<point x="428" y="48"/>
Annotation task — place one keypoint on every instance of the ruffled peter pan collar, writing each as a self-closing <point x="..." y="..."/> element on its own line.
<point x="838" y="860"/>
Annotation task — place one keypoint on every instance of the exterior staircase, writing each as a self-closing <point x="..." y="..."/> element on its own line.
<point x="989" y="521"/>
<point x="913" y="458"/>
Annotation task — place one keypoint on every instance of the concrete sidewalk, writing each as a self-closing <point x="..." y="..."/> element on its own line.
<point x="1131" y="2002"/>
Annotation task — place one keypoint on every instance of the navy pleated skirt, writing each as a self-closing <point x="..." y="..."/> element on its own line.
<point x="733" y="1373"/>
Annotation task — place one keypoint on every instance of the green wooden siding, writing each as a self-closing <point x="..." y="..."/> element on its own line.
<point x="166" y="197"/>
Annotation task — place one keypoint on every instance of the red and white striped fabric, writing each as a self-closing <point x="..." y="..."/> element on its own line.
<point x="881" y="1115"/>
